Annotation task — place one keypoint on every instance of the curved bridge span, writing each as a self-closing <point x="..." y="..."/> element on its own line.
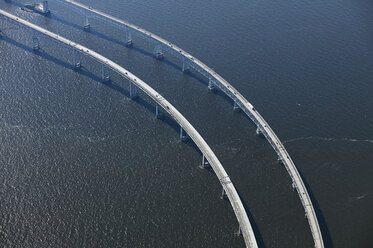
<point x="228" y="187"/>
<point x="215" y="80"/>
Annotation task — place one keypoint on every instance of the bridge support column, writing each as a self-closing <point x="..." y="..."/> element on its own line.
<point x="35" y="43"/>
<point x="223" y="195"/>
<point x="239" y="231"/>
<point x="158" y="112"/>
<point x="294" y="185"/>
<point x="182" y="136"/>
<point x="105" y="74"/>
<point x="128" y="38"/>
<point x="133" y="90"/>
<point x="45" y="8"/>
<point x="77" y="60"/>
<point x="236" y="108"/>
<point x="259" y="131"/>
<point x="158" y="54"/>
<point x="280" y="160"/>
<point x="87" y="24"/>
<point x="211" y="85"/>
<point x="205" y="164"/>
<point x="186" y="67"/>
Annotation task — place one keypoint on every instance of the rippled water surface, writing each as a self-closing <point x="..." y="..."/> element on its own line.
<point x="82" y="165"/>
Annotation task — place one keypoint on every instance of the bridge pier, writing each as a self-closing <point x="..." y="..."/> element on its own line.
<point x="239" y="231"/>
<point x="105" y="74"/>
<point x="42" y="9"/>
<point x="77" y="59"/>
<point x="158" y="112"/>
<point x="182" y="136"/>
<point x="186" y="67"/>
<point x="205" y="164"/>
<point x="259" y="131"/>
<point x="133" y="92"/>
<point x="87" y="24"/>
<point x="45" y="8"/>
<point x="294" y="185"/>
<point x="224" y="195"/>
<point x="157" y="52"/>
<point x="35" y="43"/>
<point x="128" y="38"/>
<point x="236" y="108"/>
<point x="211" y="85"/>
<point x="280" y="160"/>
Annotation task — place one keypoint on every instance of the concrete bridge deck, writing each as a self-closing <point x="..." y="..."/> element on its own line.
<point x="239" y="210"/>
<point x="239" y="102"/>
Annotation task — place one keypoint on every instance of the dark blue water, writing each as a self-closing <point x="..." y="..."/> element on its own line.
<point x="82" y="165"/>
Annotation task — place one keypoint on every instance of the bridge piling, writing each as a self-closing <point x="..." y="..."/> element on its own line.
<point x="259" y="131"/>
<point x="223" y="194"/>
<point x="77" y="59"/>
<point x="158" y="112"/>
<point x="157" y="52"/>
<point x="280" y="160"/>
<point x="186" y="67"/>
<point x="105" y="74"/>
<point x="205" y="164"/>
<point x="87" y="24"/>
<point x="211" y="85"/>
<point x="182" y="136"/>
<point x="294" y="185"/>
<point x="239" y="231"/>
<point x="35" y="43"/>
<point x="236" y="108"/>
<point x="45" y="8"/>
<point x="133" y="92"/>
<point x="128" y="37"/>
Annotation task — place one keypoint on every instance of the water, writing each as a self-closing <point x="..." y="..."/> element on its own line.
<point x="84" y="166"/>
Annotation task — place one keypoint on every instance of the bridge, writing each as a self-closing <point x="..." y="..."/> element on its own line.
<point x="215" y="80"/>
<point x="209" y="159"/>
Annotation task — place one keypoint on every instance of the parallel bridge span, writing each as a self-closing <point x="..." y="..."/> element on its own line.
<point x="208" y="154"/>
<point x="214" y="80"/>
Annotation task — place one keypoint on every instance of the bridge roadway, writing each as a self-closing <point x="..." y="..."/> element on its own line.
<point x="239" y="210"/>
<point x="239" y="100"/>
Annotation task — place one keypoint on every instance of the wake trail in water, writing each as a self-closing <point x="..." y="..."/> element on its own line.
<point x="327" y="139"/>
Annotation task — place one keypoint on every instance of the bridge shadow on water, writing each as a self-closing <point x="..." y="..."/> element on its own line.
<point x="139" y="50"/>
<point x="170" y="122"/>
<point x="190" y="73"/>
<point x="328" y="242"/>
<point x="111" y="39"/>
<point x="151" y="108"/>
<point x="165" y="118"/>
<point x="258" y="236"/>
